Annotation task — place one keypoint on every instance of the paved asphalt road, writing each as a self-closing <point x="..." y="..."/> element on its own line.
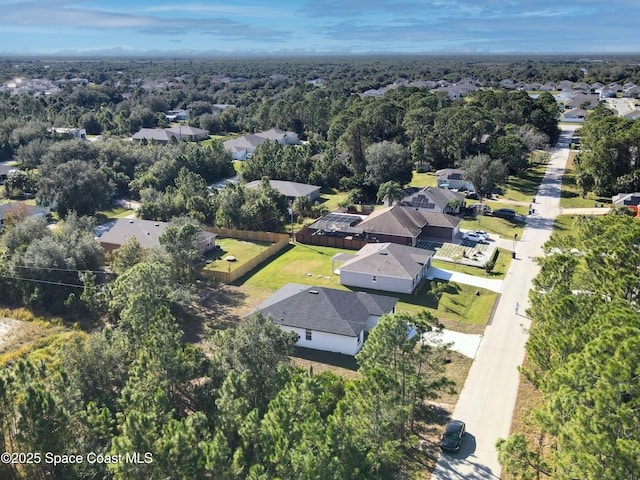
<point x="488" y="398"/>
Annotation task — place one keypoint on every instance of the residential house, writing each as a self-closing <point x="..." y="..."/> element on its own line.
<point x="21" y="210"/>
<point x="147" y="232"/>
<point x="324" y="318"/>
<point x="181" y="132"/>
<point x="406" y="226"/>
<point x="383" y="266"/>
<point x="244" y="146"/>
<point x="575" y="114"/>
<point x="152" y="134"/>
<point x="626" y="199"/>
<point x="217" y="108"/>
<point x="633" y="114"/>
<point x="454" y="178"/>
<point x="72" y="133"/>
<point x="291" y="190"/>
<point x="280" y="136"/>
<point x="188" y="133"/>
<point x="177" y="115"/>
<point x="5" y="170"/>
<point x="439" y="200"/>
<point x="564" y="85"/>
<point x="338" y="225"/>
<point x="582" y="100"/>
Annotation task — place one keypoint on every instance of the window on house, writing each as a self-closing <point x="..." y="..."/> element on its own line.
<point x="307" y="334"/>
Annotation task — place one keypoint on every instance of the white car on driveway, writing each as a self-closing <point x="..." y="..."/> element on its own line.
<point x="474" y="237"/>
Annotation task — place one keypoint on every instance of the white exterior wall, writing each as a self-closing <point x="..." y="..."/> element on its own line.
<point x="327" y="342"/>
<point x="365" y="280"/>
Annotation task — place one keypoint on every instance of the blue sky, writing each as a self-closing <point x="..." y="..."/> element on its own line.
<point x="319" y="26"/>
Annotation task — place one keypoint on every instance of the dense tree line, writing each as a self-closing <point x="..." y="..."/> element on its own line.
<point x="244" y="411"/>
<point x="583" y="357"/>
<point x="608" y="162"/>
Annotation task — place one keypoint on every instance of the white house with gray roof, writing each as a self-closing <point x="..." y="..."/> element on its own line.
<point x="325" y="318"/>
<point x="291" y="190"/>
<point x="383" y="266"/>
<point x="243" y="147"/>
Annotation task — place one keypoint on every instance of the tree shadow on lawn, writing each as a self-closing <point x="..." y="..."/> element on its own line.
<point x="328" y="358"/>
<point x="213" y="310"/>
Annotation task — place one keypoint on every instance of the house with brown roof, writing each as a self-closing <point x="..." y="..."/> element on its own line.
<point x="406" y="225"/>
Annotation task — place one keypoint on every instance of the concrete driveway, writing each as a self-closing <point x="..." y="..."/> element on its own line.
<point x="488" y="398"/>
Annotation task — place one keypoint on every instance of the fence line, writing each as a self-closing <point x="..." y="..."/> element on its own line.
<point x="248" y="234"/>
<point x="278" y="240"/>
<point x="304" y="236"/>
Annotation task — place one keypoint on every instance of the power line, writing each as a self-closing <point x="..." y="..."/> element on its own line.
<point x="54" y="269"/>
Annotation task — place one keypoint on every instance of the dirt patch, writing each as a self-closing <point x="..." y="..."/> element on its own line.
<point x="7" y="330"/>
<point x="218" y="307"/>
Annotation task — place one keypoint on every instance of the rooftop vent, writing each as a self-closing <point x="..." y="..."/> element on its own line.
<point x="315" y="292"/>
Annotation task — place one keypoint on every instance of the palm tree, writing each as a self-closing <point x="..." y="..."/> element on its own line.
<point x="390" y="192"/>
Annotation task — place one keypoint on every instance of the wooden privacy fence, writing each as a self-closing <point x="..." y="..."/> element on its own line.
<point x="305" y="236"/>
<point x="248" y="234"/>
<point x="278" y="242"/>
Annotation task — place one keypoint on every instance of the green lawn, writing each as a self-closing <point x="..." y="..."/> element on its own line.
<point x="499" y="271"/>
<point x="116" y="211"/>
<point x="459" y="307"/>
<point x="242" y="250"/>
<point x="523" y="188"/>
<point x="330" y="198"/>
<point x="499" y="226"/>
<point x="571" y="194"/>
<point x="565" y="225"/>
<point x="426" y="179"/>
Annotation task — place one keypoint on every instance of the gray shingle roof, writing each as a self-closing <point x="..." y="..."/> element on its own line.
<point x="147" y="232"/>
<point x="288" y="189"/>
<point x="322" y="309"/>
<point x="389" y="259"/>
<point x="430" y="197"/>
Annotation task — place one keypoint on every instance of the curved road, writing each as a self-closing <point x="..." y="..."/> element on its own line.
<point x="488" y="398"/>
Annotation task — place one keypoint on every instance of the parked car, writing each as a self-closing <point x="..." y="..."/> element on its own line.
<point x="507" y="213"/>
<point x="472" y="196"/>
<point x="452" y="436"/>
<point x="481" y="233"/>
<point x="474" y="237"/>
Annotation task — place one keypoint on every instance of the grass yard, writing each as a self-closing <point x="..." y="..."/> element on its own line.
<point x="113" y="213"/>
<point x="425" y="179"/>
<point x="242" y="250"/>
<point x="571" y="194"/>
<point x="565" y="225"/>
<point x="306" y="264"/>
<point x="330" y="198"/>
<point x="499" y="226"/>
<point x="525" y="187"/>
<point x="499" y="271"/>
<point x="459" y="308"/>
